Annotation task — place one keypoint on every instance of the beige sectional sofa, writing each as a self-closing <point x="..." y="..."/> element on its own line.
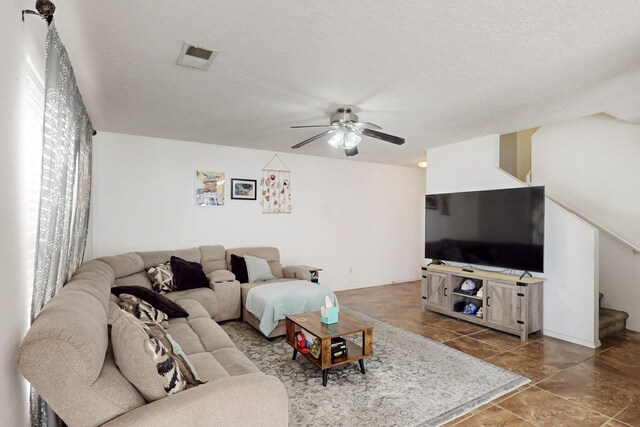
<point x="67" y="355"/>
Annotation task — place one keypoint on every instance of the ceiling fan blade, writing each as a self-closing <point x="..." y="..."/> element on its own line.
<point x="383" y="136"/>
<point x="311" y="126"/>
<point x="363" y="125"/>
<point x="351" y="151"/>
<point x="313" y="138"/>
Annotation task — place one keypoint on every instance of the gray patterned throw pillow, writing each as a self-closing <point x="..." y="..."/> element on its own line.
<point x="144" y="361"/>
<point x="161" y="278"/>
<point x="141" y="309"/>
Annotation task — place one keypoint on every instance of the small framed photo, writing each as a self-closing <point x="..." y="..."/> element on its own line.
<point x="243" y="189"/>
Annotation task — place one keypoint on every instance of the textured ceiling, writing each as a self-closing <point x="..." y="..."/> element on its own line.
<point x="433" y="72"/>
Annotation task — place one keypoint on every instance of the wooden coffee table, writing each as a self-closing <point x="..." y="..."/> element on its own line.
<point x="347" y="325"/>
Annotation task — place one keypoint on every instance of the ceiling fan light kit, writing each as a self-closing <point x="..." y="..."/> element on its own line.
<point x="344" y="139"/>
<point x="351" y="140"/>
<point x="337" y="140"/>
<point x="346" y="132"/>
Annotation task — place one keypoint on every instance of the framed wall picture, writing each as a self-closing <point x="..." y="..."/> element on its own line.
<point x="243" y="189"/>
<point x="209" y="188"/>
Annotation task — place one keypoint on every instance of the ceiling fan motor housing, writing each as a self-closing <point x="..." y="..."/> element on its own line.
<point x="342" y="116"/>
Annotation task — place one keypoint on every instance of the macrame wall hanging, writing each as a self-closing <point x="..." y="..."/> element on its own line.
<point x="275" y="186"/>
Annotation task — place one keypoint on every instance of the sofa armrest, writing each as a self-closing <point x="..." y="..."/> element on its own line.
<point x="243" y="400"/>
<point x="218" y="276"/>
<point x="229" y="299"/>
<point x="301" y="272"/>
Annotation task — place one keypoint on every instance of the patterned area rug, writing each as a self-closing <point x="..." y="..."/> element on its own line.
<point x="410" y="380"/>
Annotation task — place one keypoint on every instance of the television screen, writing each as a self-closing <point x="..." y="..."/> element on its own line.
<point x="498" y="228"/>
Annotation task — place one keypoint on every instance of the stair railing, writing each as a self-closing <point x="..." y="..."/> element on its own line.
<point x="589" y="220"/>
<point x="608" y="231"/>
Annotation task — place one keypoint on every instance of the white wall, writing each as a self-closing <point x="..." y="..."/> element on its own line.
<point x="571" y="286"/>
<point x="591" y="164"/>
<point x="361" y="222"/>
<point x="15" y="42"/>
<point x="466" y="166"/>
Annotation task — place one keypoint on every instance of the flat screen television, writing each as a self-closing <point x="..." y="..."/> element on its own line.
<point x="497" y="228"/>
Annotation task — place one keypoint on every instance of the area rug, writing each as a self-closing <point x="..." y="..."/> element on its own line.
<point x="410" y="380"/>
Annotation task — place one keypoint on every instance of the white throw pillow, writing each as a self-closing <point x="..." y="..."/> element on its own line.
<point x="257" y="269"/>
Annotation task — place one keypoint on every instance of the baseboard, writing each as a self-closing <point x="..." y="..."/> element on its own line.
<point x="579" y="341"/>
<point x="355" y="287"/>
<point x="633" y="326"/>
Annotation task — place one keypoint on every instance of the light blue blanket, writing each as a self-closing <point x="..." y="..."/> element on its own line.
<point x="272" y="302"/>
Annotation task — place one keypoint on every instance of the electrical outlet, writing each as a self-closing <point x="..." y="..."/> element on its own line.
<point x="350" y="269"/>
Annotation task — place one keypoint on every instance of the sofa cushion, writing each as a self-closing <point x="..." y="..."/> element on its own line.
<point x="89" y="278"/>
<point x="198" y="335"/>
<point x="187" y="274"/>
<point x="125" y="264"/>
<point x="136" y="279"/>
<point x="160" y="302"/>
<point x="234" y="361"/>
<point x="222" y="363"/>
<point x="239" y="268"/>
<point x="258" y="269"/>
<point x="153" y="258"/>
<point x="213" y="258"/>
<point x="161" y="278"/>
<point x="208" y="366"/>
<point x="194" y="310"/>
<point x="144" y="360"/>
<point x="205" y="296"/>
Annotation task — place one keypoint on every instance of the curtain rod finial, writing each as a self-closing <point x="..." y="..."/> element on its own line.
<point x="46" y="9"/>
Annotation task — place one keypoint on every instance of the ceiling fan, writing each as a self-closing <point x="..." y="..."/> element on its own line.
<point x="346" y="132"/>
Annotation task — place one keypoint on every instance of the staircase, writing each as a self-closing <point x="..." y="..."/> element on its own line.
<point x="611" y="321"/>
<point x="515" y="160"/>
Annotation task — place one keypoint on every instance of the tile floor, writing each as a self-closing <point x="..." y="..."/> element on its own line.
<point x="570" y="385"/>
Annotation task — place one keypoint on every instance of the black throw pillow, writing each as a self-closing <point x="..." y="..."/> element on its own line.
<point x="239" y="268"/>
<point x="187" y="274"/>
<point x="158" y="301"/>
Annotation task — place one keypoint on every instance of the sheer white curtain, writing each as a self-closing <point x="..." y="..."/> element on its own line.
<point x="65" y="189"/>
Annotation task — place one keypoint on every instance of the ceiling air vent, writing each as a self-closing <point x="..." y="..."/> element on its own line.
<point x="193" y="56"/>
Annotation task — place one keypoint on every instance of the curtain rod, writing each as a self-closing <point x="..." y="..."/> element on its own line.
<point x="45" y="9"/>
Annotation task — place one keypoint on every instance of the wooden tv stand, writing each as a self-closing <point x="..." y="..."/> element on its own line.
<point x="510" y="304"/>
